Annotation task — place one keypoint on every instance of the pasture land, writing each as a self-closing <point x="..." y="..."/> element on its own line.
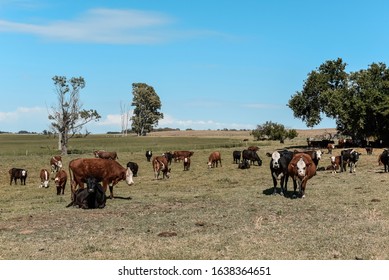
<point x="222" y="213"/>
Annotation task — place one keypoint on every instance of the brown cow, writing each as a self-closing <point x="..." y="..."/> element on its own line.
<point x="105" y="170"/>
<point x="314" y="154"/>
<point x="330" y="147"/>
<point x="186" y="164"/>
<point x="18" y="173"/>
<point x="214" y="159"/>
<point x="56" y="163"/>
<point x="160" y="164"/>
<point x="179" y="155"/>
<point x="253" y="148"/>
<point x="301" y="168"/>
<point x="335" y="164"/>
<point x="105" y="155"/>
<point x="44" y="175"/>
<point x="60" y="181"/>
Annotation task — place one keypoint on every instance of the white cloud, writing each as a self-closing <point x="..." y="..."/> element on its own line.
<point x="99" y="26"/>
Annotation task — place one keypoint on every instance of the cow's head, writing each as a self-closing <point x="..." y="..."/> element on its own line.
<point x="354" y="155"/>
<point x="275" y="160"/>
<point x="91" y="184"/>
<point x="318" y="154"/>
<point x="129" y="176"/>
<point x="301" y="167"/>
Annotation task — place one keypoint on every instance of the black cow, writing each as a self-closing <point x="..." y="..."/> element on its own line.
<point x="149" y="154"/>
<point x="90" y="198"/>
<point x="169" y="157"/>
<point x="251" y="156"/>
<point x="134" y="168"/>
<point x="236" y="156"/>
<point x="349" y="157"/>
<point x="18" y="173"/>
<point x="279" y="169"/>
<point x="384" y="159"/>
<point x="245" y="164"/>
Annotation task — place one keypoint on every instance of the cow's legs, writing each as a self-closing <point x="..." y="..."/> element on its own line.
<point x="111" y="192"/>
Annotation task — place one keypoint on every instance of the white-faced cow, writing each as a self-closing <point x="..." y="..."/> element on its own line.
<point x="45" y="178"/>
<point x="60" y="180"/>
<point x="251" y="156"/>
<point x="314" y="154"/>
<point x="279" y="169"/>
<point x="149" y="154"/>
<point x="186" y="163"/>
<point x="55" y="163"/>
<point x="105" y="155"/>
<point x="335" y="164"/>
<point x="301" y="168"/>
<point x="160" y="164"/>
<point x="349" y="157"/>
<point x="384" y="159"/>
<point x="236" y="155"/>
<point x="213" y="160"/>
<point x="18" y="173"/>
<point x="107" y="171"/>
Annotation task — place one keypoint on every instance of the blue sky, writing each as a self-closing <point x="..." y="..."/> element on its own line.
<point x="214" y="64"/>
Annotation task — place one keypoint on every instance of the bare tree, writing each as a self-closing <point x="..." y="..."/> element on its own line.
<point x="68" y="117"/>
<point x="125" y="116"/>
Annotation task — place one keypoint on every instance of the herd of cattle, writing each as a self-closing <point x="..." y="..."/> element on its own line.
<point x="300" y="165"/>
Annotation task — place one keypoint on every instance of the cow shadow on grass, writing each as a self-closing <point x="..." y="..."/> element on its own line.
<point x="287" y="194"/>
<point x="120" y="197"/>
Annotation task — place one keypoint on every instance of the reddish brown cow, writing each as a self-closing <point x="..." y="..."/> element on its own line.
<point x="105" y="155"/>
<point x="55" y="163"/>
<point x="104" y="170"/>
<point x="160" y="164"/>
<point x="253" y="148"/>
<point x="301" y="168"/>
<point x="179" y="155"/>
<point x="335" y="164"/>
<point x="186" y="164"/>
<point x="214" y="159"/>
<point x="60" y="181"/>
<point x="330" y="147"/>
<point x="44" y="175"/>
<point x="314" y="154"/>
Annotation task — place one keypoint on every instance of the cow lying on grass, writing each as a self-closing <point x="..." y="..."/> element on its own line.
<point x="93" y="196"/>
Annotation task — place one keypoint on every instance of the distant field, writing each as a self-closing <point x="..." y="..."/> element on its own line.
<point x="222" y="213"/>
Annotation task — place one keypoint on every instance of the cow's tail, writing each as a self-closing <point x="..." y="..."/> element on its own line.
<point x="72" y="185"/>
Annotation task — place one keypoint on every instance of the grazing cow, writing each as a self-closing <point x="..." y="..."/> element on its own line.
<point x="314" y="154"/>
<point x="349" y="157"/>
<point x="384" y="159"/>
<point x="214" y="159"/>
<point x="236" y="155"/>
<point x="105" y="170"/>
<point x="134" y="168"/>
<point x="279" y="169"/>
<point x="90" y="198"/>
<point x="18" y="173"/>
<point x="301" y="168"/>
<point x="55" y="163"/>
<point x="186" y="163"/>
<point x="180" y="155"/>
<point x="160" y="164"/>
<point x="44" y="175"/>
<point x="149" y="154"/>
<point x="244" y="164"/>
<point x="253" y="148"/>
<point x="60" y="180"/>
<point x="335" y="164"/>
<point x="105" y="155"/>
<point x="252" y="156"/>
<point x="169" y="157"/>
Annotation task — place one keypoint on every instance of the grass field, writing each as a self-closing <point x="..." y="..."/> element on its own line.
<point x="218" y="214"/>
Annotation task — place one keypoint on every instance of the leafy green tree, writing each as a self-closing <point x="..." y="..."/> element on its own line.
<point x="147" y="105"/>
<point x="358" y="101"/>
<point x="68" y="117"/>
<point x="273" y="131"/>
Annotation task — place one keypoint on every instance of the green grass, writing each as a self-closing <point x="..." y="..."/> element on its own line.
<point x="220" y="213"/>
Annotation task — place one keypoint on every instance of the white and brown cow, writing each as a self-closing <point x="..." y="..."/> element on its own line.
<point x="60" y="180"/>
<point x="107" y="171"/>
<point x="45" y="178"/>
<point x="314" y="154"/>
<point x="160" y="164"/>
<point x="105" y="155"/>
<point x="301" y="168"/>
<point x="335" y="164"/>
<point x="55" y="163"/>
<point x="213" y="160"/>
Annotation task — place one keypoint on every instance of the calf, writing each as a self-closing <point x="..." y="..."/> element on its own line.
<point x="160" y="164"/>
<point x="55" y="163"/>
<point x="44" y="176"/>
<point x="301" y="168"/>
<point x="279" y="169"/>
<point x="330" y="147"/>
<point x="134" y="168"/>
<point x="213" y="160"/>
<point x="244" y="164"/>
<point x="335" y="164"/>
<point x="90" y="198"/>
<point x="236" y="155"/>
<point x="60" y="180"/>
<point x="18" y="173"/>
<point x="384" y="159"/>
<point x="186" y="163"/>
<point x="252" y="156"/>
<point x="349" y="157"/>
<point x="180" y="155"/>
<point x="149" y="154"/>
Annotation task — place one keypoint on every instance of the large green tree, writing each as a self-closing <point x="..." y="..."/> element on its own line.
<point x="68" y="117"/>
<point x="273" y="131"/>
<point x="147" y="105"/>
<point x="358" y="101"/>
